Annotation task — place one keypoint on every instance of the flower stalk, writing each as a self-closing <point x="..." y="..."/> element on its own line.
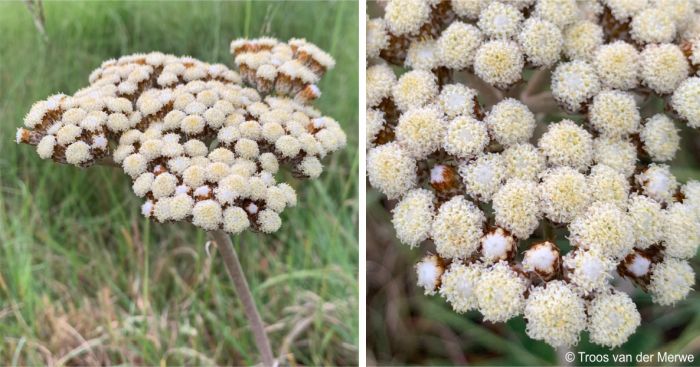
<point x="235" y="272"/>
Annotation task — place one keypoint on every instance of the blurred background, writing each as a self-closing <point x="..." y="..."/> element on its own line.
<point x="406" y="327"/>
<point x="85" y="280"/>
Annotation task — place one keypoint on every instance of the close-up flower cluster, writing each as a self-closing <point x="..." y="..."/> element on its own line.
<point x="198" y="143"/>
<point x="526" y="146"/>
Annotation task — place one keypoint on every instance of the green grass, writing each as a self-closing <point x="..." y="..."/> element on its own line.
<point x="84" y="279"/>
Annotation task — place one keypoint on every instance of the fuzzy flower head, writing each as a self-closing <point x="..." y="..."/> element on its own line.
<point x="603" y="228"/>
<point x="647" y="220"/>
<point x="574" y="83"/>
<point x="510" y="122"/>
<point x="155" y="115"/>
<point x="660" y="138"/>
<point x="555" y="314"/>
<point x="671" y="281"/>
<point x="564" y="194"/>
<point x="500" y="293"/>
<point x="581" y="39"/>
<point x="458" y="286"/>
<point x="613" y="317"/>
<point x="657" y="182"/>
<point x="617" y="64"/>
<point x="614" y="113"/>
<point x="681" y="231"/>
<point x="686" y="101"/>
<point x="567" y="144"/>
<point x="391" y="170"/>
<point x="457" y="228"/>
<point x="517" y="207"/>
<point x="542" y="42"/>
<point x="413" y="216"/>
<point x="588" y="271"/>
<point x="483" y="176"/>
<point x="499" y="63"/>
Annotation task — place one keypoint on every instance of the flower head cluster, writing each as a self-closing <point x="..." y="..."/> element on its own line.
<point x="198" y="144"/>
<point x="451" y="138"/>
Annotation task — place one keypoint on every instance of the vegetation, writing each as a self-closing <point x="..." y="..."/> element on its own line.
<point x="86" y="280"/>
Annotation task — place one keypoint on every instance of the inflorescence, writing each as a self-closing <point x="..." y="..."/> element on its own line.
<point x="497" y="200"/>
<point x="198" y="144"/>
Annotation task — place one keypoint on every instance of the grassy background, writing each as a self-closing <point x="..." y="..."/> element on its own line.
<point x="406" y="327"/>
<point x="85" y="280"/>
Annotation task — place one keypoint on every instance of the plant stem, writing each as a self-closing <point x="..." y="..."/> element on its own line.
<point x="235" y="272"/>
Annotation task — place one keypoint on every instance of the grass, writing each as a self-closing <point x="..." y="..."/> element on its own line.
<point x="85" y="280"/>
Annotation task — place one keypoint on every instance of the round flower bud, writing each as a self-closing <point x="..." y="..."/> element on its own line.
<point x="194" y="176"/>
<point x="567" y="144"/>
<point x="603" y="228"/>
<point x="617" y="65"/>
<point x="413" y="216"/>
<point x="541" y="41"/>
<point x="422" y="54"/>
<point x="497" y="245"/>
<point x="664" y="67"/>
<point x="652" y="26"/>
<point x="391" y="170"/>
<point x="686" y="101"/>
<point x="420" y="131"/>
<point x="483" y="176"/>
<point x="429" y="271"/>
<point x="207" y="214"/>
<point x="269" y="221"/>
<point x="500" y="20"/>
<point x="636" y="265"/>
<point x="588" y="271"/>
<point x="555" y="314"/>
<point x="457" y="99"/>
<point x="581" y="39"/>
<point x="559" y="12"/>
<point x="660" y="138"/>
<point x="618" y="154"/>
<point x="457" y="45"/>
<point x="671" y="281"/>
<point x="681" y="231"/>
<point x="608" y="185"/>
<point x="499" y="63"/>
<point x="657" y="182"/>
<point x="459" y="285"/>
<point x="573" y="83"/>
<point x="542" y="258"/>
<point x="517" y="207"/>
<point x="406" y="16"/>
<point x="457" y="228"/>
<point x="614" y="113"/>
<point x="523" y="161"/>
<point x="414" y="89"/>
<point x="500" y="292"/>
<point x="377" y="37"/>
<point x="510" y="122"/>
<point x="612" y="318"/>
<point x="564" y="194"/>
<point x="465" y="137"/>
<point x="380" y="82"/>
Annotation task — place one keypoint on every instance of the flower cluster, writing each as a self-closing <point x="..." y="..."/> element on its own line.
<point x="197" y="143"/>
<point x="452" y="140"/>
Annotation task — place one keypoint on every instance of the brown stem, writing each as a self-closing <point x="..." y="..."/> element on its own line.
<point x="543" y="102"/>
<point x="535" y="83"/>
<point x="235" y="272"/>
<point x="489" y="93"/>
